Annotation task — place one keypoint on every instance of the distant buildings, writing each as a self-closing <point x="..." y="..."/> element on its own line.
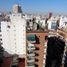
<point x="53" y="23"/>
<point x="62" y="21"/>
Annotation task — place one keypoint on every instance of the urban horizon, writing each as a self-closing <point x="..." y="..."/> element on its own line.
<point x="33" y="33"/>
<point x="41" y="6"/>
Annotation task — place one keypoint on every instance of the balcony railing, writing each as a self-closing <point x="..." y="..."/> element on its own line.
<point x="31" y="66"/>
<point x="31" y="60"/>
<point x="29" y="48"/>
<point x="31" y="54"/>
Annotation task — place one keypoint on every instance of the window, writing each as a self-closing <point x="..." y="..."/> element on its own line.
<point x="30" y="64"/>
<point x="36" y="48"/>
<point x="8" y="26"/>
<point x="1" y="43"/>
<point x="65" y="23"/>
<point x="31" y="38"/>
<point x="30" y="52"/>
<point x="53" y="25"/>
<point x="46" y="37"/>
<point x="13" y="15"/>
<point x="0" y="34"/>
<point x="0" y="29"/>
<point x="0" y="26"/>
<point x="36" y="60"/>
<point x="15" y="61"/>
<point x="0" y="39"/>
<point x="36" y="54"/>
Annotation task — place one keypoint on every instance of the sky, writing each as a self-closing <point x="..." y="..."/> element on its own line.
<point x="41" y="6"/>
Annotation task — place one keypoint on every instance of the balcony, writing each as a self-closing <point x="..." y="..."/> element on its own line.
<point x="31" y="60"/>
<point x="31" y="55"/>
<point x="36" y="54"/>
<point x="14" y="61"/>
<point x="30" y="52"/>
<point x="30" y="48"/>
<point x="36" y="60"/>
<point x="46" y="37"/>
<point x="36" y="65"/>
<point x="31" y="38"/>
<point x="31" y="66"/>
<point x="37" y="48"/>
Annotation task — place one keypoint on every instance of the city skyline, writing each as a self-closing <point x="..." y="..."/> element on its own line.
<point x="32" y="40"/>
<point x="36" y="6"/>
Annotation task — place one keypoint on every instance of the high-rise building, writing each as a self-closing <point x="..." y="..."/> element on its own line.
<point x="13" y="34"/>
<point x="38" y="41"/>
<point x="16" y="9"/>
<point x="52" y="23"/>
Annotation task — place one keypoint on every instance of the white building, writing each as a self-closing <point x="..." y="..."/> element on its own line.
<point x="63" y="21"/>
<point x="14" y="35"/>
<point x="43" y="23"/>
<point x="52" y="23"/>
<point x="16" y="8"/>
<point x="5" y="32"/>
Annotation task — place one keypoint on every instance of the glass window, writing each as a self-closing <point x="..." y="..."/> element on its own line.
<point x="31" y="38"/>
<point x="53" y="26"/>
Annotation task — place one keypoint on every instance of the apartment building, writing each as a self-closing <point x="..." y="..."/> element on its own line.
<point x="39" y="41"/>
<point x="13" y="34"/>
<point x="53" y="23"/>
<point x="62" y="21"/>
